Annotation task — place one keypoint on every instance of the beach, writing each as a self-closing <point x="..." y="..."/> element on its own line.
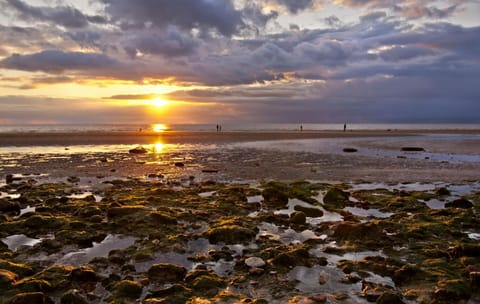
<point x="240" y="217"/>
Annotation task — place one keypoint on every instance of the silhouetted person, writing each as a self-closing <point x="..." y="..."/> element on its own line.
<point x="344" y="127"/>
<point x="301" y="128"/>
<point x="218" y="127"/>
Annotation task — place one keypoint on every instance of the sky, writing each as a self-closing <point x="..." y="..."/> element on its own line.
<point x="239" y="61"/>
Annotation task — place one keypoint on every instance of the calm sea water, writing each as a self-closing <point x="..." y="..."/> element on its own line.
<point x="230" y="127"/>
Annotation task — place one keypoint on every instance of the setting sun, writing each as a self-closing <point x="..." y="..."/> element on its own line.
<point x="159" y="102"/>
<point x="159" y="127"/>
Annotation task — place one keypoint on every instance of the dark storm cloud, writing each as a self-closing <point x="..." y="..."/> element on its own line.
<point x="62" y="15"/>
<point x="295" y="6"/>
<point x="169" y="43"/>
<point x="54" y="61"/>
<point x="186" y="14"/>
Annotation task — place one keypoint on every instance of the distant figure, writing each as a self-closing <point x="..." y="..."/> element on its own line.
<point x="218" y="127"/>
<point x="301" y="128"/>
<point x="140" y="130"/>
<point x="344" y="127"/>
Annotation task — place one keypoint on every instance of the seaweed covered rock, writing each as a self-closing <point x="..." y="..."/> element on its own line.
<point x="459" y="203"/>
<point x="274" y="197"/>
<point x="452" y="291"/>
<point x="230" y="234"/>
<point x="30" y="298"/>
<point x="32" y="285"/>
<point x="73" y="296"/>
<point x="298" y="218"/>
<point x="7" y="278"/>
<point x="20" y="269"/>
<point x="83" y="274"/>
<point x="161" y="218"/>
<point x="357" y="231"/>
<point x="335" y="198"/>
<point x="8" y="206"/>
<point x="310" y="212"/>
<point x="114" y="212"/>
<point x="166" y="273"/>
<point x="127" y="289"/>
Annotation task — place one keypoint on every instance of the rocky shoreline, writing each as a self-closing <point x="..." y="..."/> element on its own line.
<point x="131" y="241"/>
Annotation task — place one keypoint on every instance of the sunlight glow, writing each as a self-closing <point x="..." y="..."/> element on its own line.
<point x="159" y="128"/>
<point x="159" y="102"/>
<point x="158" y="148"/>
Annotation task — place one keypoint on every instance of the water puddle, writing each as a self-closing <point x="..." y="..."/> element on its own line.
<point x="434" y="204"/>
<point x="26" y="210"/>
<point x="207" y="194"/>
<point x="84" y="195"/>
<point x="83" y="256"/>
<point x="255" y="199"/>
<point x="286" y="236"/>
<point x="368" y="212"/>
<point x="14" y="242"/>
<point x="9" y="195"/>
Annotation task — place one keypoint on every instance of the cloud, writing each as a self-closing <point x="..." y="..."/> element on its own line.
<point x="55" y="61"/>
<point x="295" y="6"/>
<point x="415" y="11"/>
<point x="62" y="15"/>
<point x="132" y="97"/>
<point x="203" y="15"/>
<point x="169" y="43"/>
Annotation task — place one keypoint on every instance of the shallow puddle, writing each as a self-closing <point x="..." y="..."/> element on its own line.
<point x="83" y="256"/>
<point x="368" y="212"/>
<point x="16" y="241"/>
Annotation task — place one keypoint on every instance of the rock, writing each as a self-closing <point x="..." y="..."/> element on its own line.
<point x="357" y="231"/>
<point x="127" y="289"/>
<point x="309" y="212"/>
<point x="20" y="269"/>
<point x="210" y="171"/>
<point x="73" y="179"/>
<point x="442" y="191"/>
<point x="167" y="273"/>
<point x="319" y="298"/>
<point x="9" y="178"/>
<point x="83" y="274"/>
<point x="138" y="150"/>
<point x="452" y="291"/>
<point x="179" y="164"/>
<point x="73" y="297"/>
<point x="230" y="234"/>
<point x="390" y="297"/>
<point x="350" y="150"/>
<point x="9" y="206"/>
<point x="412" y="149"/>
<point x="30" y="298"/>
<point x="323" y="278"/>
<point x="254" y="262"/>
<point x="161" y="218"/>
<point x="459" y="203"/>
<point x="335" y="198"/>
<point x="255" y="271"/>
<point x="7" y="278"/>
<point x="475" y="280"/>
<point x="298" y="218"/>
<point x="274" y="198"/>
<point x="33" y="285"/>
<point x="113" y="212"/>
<point x="208" y="284"/>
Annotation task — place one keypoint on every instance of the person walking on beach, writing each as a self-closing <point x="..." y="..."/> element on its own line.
<point x="344" y="127"/>
<point x="301" y="128"/>
<point x="217" y="127"/>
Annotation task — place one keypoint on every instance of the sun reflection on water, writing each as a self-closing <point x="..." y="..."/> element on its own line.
<point x="159" y="128"/>
<point x="158" y="147"/>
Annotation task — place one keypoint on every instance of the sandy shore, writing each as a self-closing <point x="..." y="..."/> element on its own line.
<point x="231" y="156"/>
<point x="93" y="138"/>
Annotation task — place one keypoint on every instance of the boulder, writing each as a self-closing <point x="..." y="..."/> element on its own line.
<point x="138" y="150"/>
<point x="275" y="198"/>
<point x="127" y="289"/>
<point x="459" y="203"/>
<point x="73" y="297"/>
<point x="30" y="298"/>
<point x="167" y="273"/>
<point x="83" y="274"/>
<point x="255" y="262"/>
<point x="309" y="212"/>
<point x="8" y="206"/>
<point x="161" y="218"/>
<point x="335" y="198"/>
<point x="230" y="234"/>
<point x="298" y="218"/>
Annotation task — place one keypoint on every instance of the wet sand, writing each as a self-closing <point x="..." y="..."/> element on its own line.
<point x="231" y="156"/>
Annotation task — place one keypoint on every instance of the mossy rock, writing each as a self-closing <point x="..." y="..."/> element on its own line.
<point x="161" y="218"/>
<point x="33" y="285"/>
<point x="230" y="234"/>
<point x="175" y="294"/>
<point x="127" y="289"/>
<point x="449" y="291"/>
<point x="335" y="198"/>
<point x="114" y="212"/>
<point x="298" y="218"/>
<point x="274" y="197"/>
<point x="30" y="298"/>
<point x="21" y="269"/>
<point x="73" y="296"/>
<point x="291" y="257"/>
<point x="7" y="279"/>
<point x="43" y="222"/>
<point x="358" y="231"/>
<point x="89" y="211"/>
<point x="207" y="284"/>
<point x="8" y="206"/>
<point x="459" y="203"/>
<point x="310" y="212"/>
<point x="83" y="274"/>
<point x="167" y="273"/>
<point x="57" y="276"/>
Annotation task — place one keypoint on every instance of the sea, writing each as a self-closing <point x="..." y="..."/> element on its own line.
<point x="251" y="127"/>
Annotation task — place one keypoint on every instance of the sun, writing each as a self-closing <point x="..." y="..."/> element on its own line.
<point x="159" y="102"/>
